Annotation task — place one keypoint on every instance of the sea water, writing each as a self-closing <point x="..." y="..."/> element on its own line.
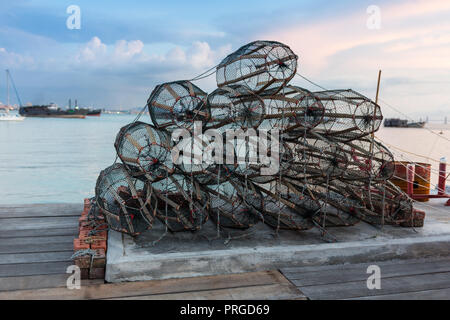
<point x="48" y="160"/>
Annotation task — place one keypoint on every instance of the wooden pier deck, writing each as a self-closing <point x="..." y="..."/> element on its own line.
<point x="36" y="246"/>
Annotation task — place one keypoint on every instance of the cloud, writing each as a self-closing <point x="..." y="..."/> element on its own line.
<point x="12" y="60"/>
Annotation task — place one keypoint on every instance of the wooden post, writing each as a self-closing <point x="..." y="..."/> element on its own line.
<point x="374" y="110"/>
<point x="410" y="178"/>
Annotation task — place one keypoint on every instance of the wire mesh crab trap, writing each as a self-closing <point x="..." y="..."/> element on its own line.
<point x="292" y="109"/>
<point x="234" y="205"/>
<point x="145" y="151"/>
<point x="260" y="65"/>
<point x="282" y="210"/>
<point x="348" y="114"/>
<point x="235" y="106"/>
<point x="180" y="203"/>
<point x="124" y="200"/>
<point x="369" y="160"/>
<point x="177" y="104"/>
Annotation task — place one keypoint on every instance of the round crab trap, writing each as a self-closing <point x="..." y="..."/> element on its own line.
<point x="190" y="155"/>
<point x="368" y="160"/>
<point x="348" y="114"/>
<point x="318" y="160"/>
<point x="234" y="205"/>
<point x="280" y="210"/>
<point x="145" y="151"/>
<point x="235" y="106"/>
<point x="263" y="160"/>
<point x="293" y="108"/>
<point x="123" y="200"/>
<point x="177" y="104"/>
<point x="180" y="203"/>
<point x="260" y="65"/>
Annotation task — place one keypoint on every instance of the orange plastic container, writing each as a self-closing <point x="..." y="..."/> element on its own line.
<point x="422" y="177"/>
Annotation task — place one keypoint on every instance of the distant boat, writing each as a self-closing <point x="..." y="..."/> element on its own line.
<point x="51" y="111"/>
<point x="4" y="110"/>
<point x="92" y="112"/>
<point x="6" y="116"/>
<point x="400" y="123"/>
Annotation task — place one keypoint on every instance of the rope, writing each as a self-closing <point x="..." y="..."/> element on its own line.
<point x="387" y="104"/>
<point x="203" y="76"/>
<point x="412" y="153"/>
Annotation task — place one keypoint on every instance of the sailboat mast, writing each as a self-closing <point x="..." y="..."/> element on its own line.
<point x="7" y="88"/>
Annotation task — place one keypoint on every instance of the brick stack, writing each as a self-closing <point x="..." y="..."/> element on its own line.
<point x="91" y="266"/>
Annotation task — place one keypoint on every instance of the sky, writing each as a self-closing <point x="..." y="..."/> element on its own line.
<point x="124" y="48"/>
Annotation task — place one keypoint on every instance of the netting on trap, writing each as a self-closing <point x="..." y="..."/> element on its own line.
<point x="267" y="151"/>
<point x="124" y="200"/>
<point x="286" y="210"/>
<point x="369" y="160"/>
<point x="292" y="109"/>
<point x="261" y="65"/>
<point x="145" y="151"/>
<point x="235" y="106"/>
<point x="234" y="205"/>
<point x="177" y="104"/>
<point x="317" y="161"/>
<point x="348" y="114"/>
<point x="180" y="203"/>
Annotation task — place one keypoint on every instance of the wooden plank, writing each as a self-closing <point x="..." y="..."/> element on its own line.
<point x="39" y="282"/>
<point x="355" y="266"/>
<point x="35" y="248"/>
<point x="394" y="285"/>
<point x="40" y="210"/>
<point x="360" y="273"/>
<point x="28" y="269"/>
<point x="42" y="232"/>
<point x="14" y="258"/>
<point x="153" y="287"/>
<point x="38" y="223"/>
<point x="264" y="292"/>
<point x="438" y="294"/>
<point x="34" y="240"/>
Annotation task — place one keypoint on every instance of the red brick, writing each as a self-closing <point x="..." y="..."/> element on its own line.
<point x="98" y="244"/>
<point x="97" y="273"/>
<point x="78" y="244"/>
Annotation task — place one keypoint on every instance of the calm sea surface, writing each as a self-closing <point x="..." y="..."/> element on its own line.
<point x="58" y="160"/>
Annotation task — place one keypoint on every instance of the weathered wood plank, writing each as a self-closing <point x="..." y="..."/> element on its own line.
<point x="42" y="232"/>
<point x="153" y="287"/>
<point x="394" y="285"/>
<point x="38" y="223"/>
<point x="40" y="210"/>
<point x="36" y="240"/>
<point x="28" y="269"/>
<point x="35" y="248"/>
<point x="263" y="292"/>
<point x="359" y="273"/>
<point x="355" y="266"/>
<point x="39" y="282"/>
<point x="438" y="294"/>
<point x="14" y="258"/>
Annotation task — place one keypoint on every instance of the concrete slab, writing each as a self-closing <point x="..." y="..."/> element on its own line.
<point x="154" y="256"/>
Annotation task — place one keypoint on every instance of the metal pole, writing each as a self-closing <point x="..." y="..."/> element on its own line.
<point x="7" y="88"/>
<point x="441" y="181"/>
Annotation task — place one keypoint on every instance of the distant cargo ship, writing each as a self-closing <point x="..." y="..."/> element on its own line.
<point x="399" y="123"/>
<point x="51" y="111"/>
<point x="94" y="112"/>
